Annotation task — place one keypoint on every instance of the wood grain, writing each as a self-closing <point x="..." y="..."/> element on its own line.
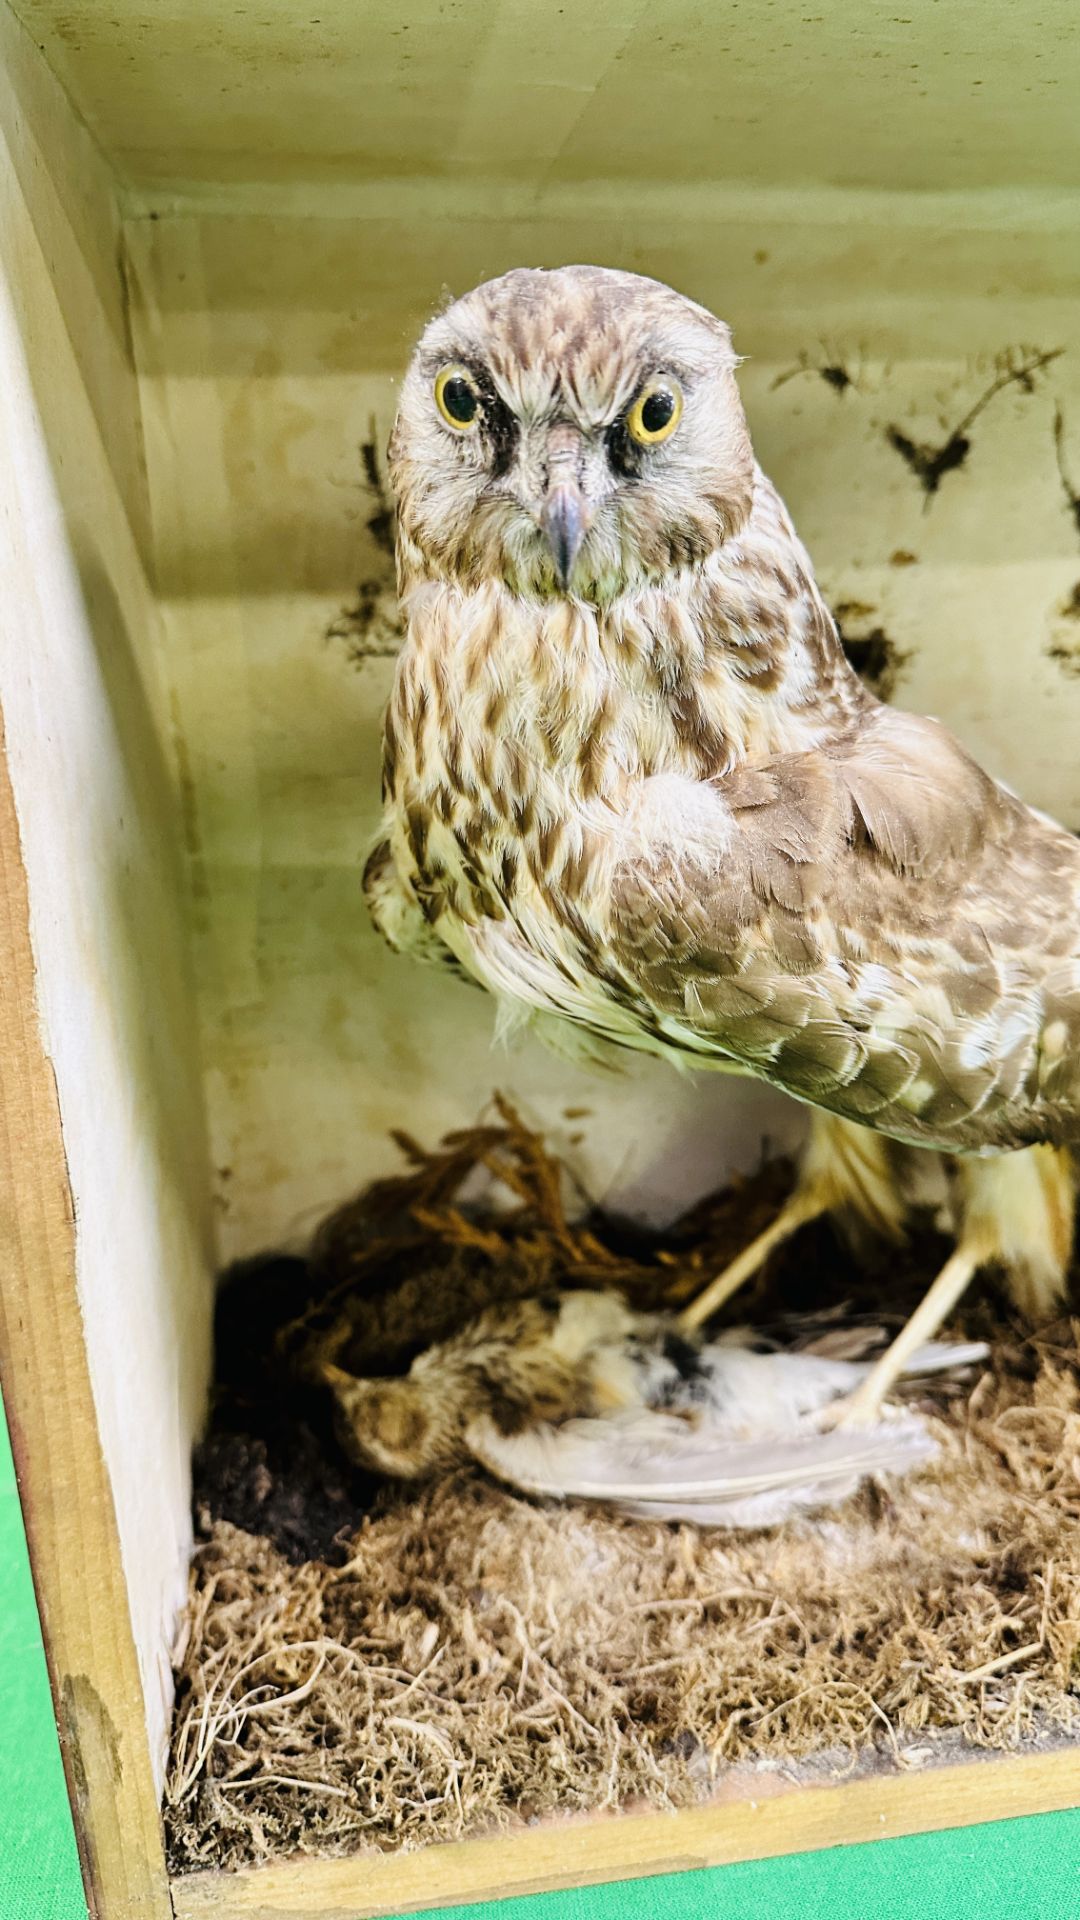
<point x="201" y="92"/>
<point x="98" y="804"/>
<point x="756" y="1818"/>
<point x="65" y="1491"/>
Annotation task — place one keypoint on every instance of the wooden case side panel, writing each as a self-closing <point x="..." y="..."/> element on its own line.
<point x="99" y="807"/>
<point x="63" y="1482"/>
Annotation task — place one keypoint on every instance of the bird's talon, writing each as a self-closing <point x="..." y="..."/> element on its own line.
<point x="850" y="1412"/>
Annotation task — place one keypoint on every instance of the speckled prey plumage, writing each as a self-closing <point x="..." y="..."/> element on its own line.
<point x="660" y="804"/>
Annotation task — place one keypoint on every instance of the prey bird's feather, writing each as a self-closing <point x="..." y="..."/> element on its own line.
<point x="655" y="1467"/>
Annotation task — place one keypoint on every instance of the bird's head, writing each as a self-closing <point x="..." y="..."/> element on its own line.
<point x="396" y="1426"/>
<point x="577" y="431"/>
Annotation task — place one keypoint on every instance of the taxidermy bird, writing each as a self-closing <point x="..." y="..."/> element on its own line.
<point x="632" y="784"/>
<point x="576" y="1396"/>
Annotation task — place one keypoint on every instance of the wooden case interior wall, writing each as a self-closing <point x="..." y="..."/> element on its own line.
<point x="216" y="260"/>
<point x="104" y="1215"/>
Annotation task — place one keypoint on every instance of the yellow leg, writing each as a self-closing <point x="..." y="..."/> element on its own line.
<point x="1017" y="1213"/>
<point x="805" y="1204"/>
<point x="845" y="1169"/>
<point x="863" y="1407"/>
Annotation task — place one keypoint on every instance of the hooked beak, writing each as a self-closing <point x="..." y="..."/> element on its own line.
<point x="565" y="522"/>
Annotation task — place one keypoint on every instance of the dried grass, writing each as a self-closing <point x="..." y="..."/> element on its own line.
<point x="479" y="1660"/>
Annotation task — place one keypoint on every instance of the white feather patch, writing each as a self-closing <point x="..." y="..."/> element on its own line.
<point x="657" y="1467"/>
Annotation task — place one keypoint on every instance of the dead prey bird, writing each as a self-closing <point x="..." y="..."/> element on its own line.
<point x="633" y="787"/>
<point x="577" y="1396"/>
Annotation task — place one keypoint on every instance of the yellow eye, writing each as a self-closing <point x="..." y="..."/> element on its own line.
<point x="655" y="413"/>
<point x="457" y="398"/>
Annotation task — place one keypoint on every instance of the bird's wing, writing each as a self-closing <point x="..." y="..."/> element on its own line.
<point x="558" y="996"/>
<point x="659" y="1468"/>
<point x="880" y="930"/>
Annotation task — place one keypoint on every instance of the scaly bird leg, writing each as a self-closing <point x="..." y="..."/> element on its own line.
<point x="845" y="1169"/>
<point x="1016" y="1213"/>
<point x="805" y="1204"/>
<point x="863" y="1407"/>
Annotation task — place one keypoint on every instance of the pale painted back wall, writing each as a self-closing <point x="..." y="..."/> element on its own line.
<point x="269" y="341"/>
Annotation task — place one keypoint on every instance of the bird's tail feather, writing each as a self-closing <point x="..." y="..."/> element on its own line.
<point x="942" y="1356"/>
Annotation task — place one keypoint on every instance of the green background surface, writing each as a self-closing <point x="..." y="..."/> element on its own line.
<point x="39" y="1867"/>
<point x="1027" y="1868"/>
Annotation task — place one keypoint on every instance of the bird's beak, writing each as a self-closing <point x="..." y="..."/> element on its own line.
<point x="565" y="516"/>
<point x="565" y="522"/>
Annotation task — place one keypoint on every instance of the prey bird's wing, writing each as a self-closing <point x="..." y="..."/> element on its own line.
<point x="747" y="1395"/>
<point x="879" y="929"/>
<point x="657" y="1467"/>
